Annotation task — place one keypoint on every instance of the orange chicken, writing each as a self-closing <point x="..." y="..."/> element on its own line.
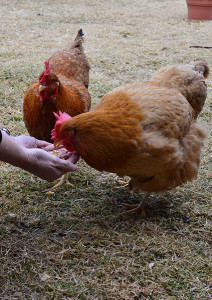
<point x="145" y="130"/>
<point x="62" y="86"/>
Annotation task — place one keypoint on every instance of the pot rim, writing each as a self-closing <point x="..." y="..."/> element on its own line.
<point x="199" y="2"/>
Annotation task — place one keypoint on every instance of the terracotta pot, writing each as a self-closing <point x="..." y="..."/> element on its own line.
<point x="199" y="9"/>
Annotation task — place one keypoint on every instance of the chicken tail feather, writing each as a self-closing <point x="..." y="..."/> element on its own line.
<point x="80" y="32"/>
<point x="78" y="40"/>
<point x="200" y="66"/>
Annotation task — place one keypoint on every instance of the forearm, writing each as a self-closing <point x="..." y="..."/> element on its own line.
<point x="11" y="152"/>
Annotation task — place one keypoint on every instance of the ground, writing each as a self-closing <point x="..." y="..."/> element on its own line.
<point x="73" y="243"/>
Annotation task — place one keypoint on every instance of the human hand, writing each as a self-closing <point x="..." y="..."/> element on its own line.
<point x="31" y="155"/>
<point x="48" y="166"/>
<point x="31" y="142"/>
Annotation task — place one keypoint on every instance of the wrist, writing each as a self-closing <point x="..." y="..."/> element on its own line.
<point x="5" y="130"/>
<point x="24" y="158"/>
<point x="11" y="152"/>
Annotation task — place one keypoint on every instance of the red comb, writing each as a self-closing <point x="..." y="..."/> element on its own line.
<point x="46" y="72"/>
<point x="47" y="67"/>
<point x="61" y="118"/>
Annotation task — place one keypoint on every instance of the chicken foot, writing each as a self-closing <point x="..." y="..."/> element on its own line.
<point x="62" y="180"/>
<point x="137" y="207"/>
<point x="123" y="185"/>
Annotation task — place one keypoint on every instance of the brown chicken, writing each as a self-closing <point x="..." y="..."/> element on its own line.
<point x="147" y="131"/>
<point x="62" y="86"/>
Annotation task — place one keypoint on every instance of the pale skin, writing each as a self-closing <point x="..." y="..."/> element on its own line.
<point x="32" y="155"/>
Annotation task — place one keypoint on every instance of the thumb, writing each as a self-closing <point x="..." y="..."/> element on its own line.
<point x="69" y="164"/>
<point x="74" y="158"/>
<point x="69" y="167"/>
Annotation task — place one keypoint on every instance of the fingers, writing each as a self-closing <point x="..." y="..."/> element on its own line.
<point x="64" y="154"/>
<point x="71" y="168"/>
<point x="69" y="164"/>
<point x="45" y="145"/>
<point x="74" y="158"/>
<point x="50" y="147"/>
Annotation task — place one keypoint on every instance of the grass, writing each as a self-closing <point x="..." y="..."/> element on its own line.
<point x="73" y="244"/>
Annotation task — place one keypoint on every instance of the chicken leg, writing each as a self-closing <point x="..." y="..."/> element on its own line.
<point x="137" y="207"/>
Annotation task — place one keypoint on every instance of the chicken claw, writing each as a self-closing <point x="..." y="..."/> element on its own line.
<point x="123" y="185"/>
<point x="135" y="208"/>
<point x="141" y="207"/>
<point x="62" y="180"/>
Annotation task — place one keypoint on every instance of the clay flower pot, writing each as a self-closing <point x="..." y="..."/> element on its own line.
<point x="199" y="9"/>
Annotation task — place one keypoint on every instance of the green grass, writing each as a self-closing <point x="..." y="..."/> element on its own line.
<point x="73" y="243"/>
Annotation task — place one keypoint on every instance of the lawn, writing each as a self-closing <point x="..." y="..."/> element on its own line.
<point x="73" y="243"/>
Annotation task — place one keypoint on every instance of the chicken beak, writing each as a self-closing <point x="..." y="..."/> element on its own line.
<point x="41" y="88"/>
<point x="57" y="144"/>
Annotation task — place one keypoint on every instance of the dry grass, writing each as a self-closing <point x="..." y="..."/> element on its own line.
<point x="73" y="244"/>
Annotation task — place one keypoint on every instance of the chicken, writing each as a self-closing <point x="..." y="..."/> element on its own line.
<point x="147" y="131"/>
<point x="62" y="86"/>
